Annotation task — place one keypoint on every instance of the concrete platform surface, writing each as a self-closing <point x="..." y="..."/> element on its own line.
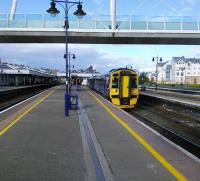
<point x="91" y="144"/>
<point x="44" y="145"/>
<point x="128" y="159"/>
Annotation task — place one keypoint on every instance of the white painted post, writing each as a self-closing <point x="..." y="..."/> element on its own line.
<point x="78" y="19"/>
<point x="95" y="22"/>
<point x="164" y="23"/>
<point x="113" y="14"/>
<point x="147" y="23"/>
<point x="13" y="9"/>
<point x="26" y="21"/>
<point x="198" y="23"/>
<point x="43" y="18"/>
<point x="130" y="24"/>
<point x="7" y="20"/>
<point x="181" y="22"/>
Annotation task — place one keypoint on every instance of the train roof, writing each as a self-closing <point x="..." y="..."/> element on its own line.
<point x="119" y="69"/>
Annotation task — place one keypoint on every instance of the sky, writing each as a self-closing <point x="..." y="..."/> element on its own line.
<point x="102" y="57"/>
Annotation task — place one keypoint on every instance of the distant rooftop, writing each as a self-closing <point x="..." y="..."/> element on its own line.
<point x="89" y="70"/>
<point x="186" y="60"/>
<point x="12" y="68"/>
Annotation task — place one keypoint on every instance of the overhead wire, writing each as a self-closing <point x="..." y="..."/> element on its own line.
<point x="155" y="6"/>
<point x="170" y="6"/>
<point x="138" y="6"/>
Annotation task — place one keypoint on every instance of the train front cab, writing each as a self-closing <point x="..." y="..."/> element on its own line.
<point x="124" y="88"/>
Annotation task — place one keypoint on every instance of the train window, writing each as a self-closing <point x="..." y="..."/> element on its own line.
<point x="134" y="83"/>
<point x="115" y="82"/>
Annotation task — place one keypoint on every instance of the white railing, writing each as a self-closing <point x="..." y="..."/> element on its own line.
<point x="102" y="22"/>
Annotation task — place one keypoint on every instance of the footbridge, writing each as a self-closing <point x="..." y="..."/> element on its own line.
<point x="42" y="28"/>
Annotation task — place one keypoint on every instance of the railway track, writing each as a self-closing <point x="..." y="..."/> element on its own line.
<point x="14" y="97"/>
<point x="177" y="136"/>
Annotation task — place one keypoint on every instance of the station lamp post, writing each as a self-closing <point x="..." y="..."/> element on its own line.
<point x="157" y="59"/>
<point x="79" y="13"/>
<point x="69" y="68"/>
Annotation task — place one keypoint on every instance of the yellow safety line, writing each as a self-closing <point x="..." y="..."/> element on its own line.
<point x="159" y="157"/>
<point x="25" y="113"/>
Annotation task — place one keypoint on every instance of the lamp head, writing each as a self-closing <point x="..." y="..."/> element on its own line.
<point x="79" y="12"/>
<point x="153" y="59"/>
<point x="74" y="56"/>
<point x="53" y="10"/>
<point x="160" y="59"/>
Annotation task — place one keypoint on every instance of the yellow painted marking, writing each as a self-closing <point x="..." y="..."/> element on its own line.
<point x="159" y="157"/>
<point x="25" y="113"/>
<point x="125" y="87"/>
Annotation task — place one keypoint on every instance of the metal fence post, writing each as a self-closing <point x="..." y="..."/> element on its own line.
<point x="95" y="22"/>
<point x="43" y="20"/>
<point x="147" y="23"/>
<point x="26" y="23"/>
<point x="181" y="22"/>
<point x="164" y="21"/>
<point x="7" y="20"/>
<point x="78" y="21"/>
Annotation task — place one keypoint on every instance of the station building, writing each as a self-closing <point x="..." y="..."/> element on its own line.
<point x="20" y="75"/>
<point x="80" y="76"/>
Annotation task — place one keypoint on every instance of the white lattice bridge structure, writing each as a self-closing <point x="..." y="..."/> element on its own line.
<point x="42" y="28"/>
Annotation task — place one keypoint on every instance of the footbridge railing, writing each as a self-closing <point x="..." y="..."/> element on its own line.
<point x="124" y="22"/>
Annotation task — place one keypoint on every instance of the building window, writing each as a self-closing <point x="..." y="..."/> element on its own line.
<point x="177" y="73"/>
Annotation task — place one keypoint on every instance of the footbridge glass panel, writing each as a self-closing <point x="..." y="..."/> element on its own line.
<point x="3" y="20"/>
<point x="156" y="23"/>
<point x="138" y="23"/>
<point x="190" y="23"/>
<point x="101" y="22"/>
<point x="19" y="21"/>
<point x="173" y="23"/>
<point x="53" y="22"/>
<point x="123" y="22"/>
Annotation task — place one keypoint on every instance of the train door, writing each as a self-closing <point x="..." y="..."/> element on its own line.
<point x="125" y="86"/>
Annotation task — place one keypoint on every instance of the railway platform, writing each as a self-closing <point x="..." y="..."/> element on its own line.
<point x="95" y="143"/>
<point x="188" y="99"/>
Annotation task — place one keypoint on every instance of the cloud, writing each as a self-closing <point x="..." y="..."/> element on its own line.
<point x="191" y="2"/>
<point x="193" y="53"/>
<point x="187" y="9"/>
<point x="51" y="56"/>
<point x="97" y="2"/>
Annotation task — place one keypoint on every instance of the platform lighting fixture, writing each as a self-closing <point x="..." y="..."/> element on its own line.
<point x="157" y="59"/>
<point x="79" y="13"/>
<point x="69" y="68"/>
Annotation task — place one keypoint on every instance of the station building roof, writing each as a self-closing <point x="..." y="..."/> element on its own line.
<point x="83" y="73"/>
<point x="15" y="69"/>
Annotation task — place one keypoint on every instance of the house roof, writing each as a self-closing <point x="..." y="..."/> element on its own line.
<point x="186" y="60"/>
<point x="161" y="64"/>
